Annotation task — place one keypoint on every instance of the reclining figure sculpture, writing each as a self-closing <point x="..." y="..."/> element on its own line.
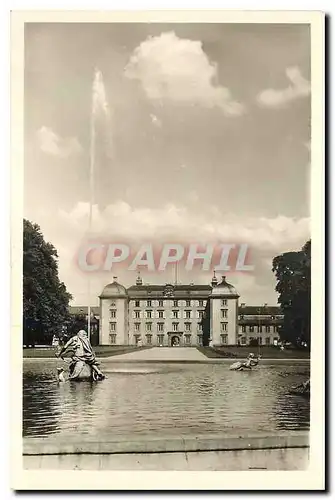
<point x="84" y="365"/>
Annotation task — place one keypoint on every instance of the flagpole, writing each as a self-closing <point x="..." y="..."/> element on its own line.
<point x="92" y="161"/>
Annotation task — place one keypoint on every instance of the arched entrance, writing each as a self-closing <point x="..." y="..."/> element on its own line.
<point x="175" y="341"/>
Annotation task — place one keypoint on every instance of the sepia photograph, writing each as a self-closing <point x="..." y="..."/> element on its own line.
<point x="168" y="222"/>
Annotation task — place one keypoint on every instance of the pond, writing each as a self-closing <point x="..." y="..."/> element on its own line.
<point x="164" y="399"/>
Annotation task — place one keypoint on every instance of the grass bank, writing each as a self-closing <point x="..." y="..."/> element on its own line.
<point x="267" y="352"/>
<point x="101" y="351"/>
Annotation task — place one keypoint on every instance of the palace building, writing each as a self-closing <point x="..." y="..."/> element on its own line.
<point x="181" y="315"/>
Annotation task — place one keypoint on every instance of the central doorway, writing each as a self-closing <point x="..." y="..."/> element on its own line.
<point x="175" y="341"/>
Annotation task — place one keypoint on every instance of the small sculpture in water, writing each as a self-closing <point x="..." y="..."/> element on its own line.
<point x="248" y="364"/>
<point x="303" y="389"/>
<point x="84" y="365"/>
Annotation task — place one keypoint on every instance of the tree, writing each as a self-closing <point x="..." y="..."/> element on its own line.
<point x="45" y="299"/>
<point x="293" y="273"/>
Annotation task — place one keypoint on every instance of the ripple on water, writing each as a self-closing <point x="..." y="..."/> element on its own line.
<point x="164" y="399"/>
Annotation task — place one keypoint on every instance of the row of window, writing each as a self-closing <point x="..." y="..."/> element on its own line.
<point x="175" y="327"/>
<point x="160" y="327"/>
<point x="259" y="328"/>
<point x="161" y="314"/>
<point x="175" y="303"/>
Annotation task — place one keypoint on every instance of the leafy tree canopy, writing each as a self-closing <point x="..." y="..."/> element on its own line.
<point x="45" y="299"/>
<point x="293" y="273"/>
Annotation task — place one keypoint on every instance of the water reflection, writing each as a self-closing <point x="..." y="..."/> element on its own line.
<point x="162" y="398"/>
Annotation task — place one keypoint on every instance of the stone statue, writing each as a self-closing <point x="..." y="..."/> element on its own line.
<point x="250" y="362"/>
<point x="303" y="389"/>
<point x="83" y="362"/>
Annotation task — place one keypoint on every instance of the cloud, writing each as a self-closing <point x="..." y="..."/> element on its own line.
<point x="52" y="144"/>
<point x="124" y="223"/>
<point x="275" y="234"/>
<point x="298" y="87"/>
<point x="178" y="69"/>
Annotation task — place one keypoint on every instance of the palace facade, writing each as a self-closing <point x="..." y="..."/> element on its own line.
<point x="181" y="315"/>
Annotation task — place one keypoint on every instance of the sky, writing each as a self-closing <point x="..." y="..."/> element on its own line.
<point x="205" y="136"/>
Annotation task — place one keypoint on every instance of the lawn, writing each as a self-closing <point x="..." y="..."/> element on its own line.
<point x="267" y="352"/>
<point x="101" y="351"/>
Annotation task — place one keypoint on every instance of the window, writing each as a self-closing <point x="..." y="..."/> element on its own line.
<point x="260" y="340"/>
<point x="113" y="313"/>
<point x="175" y="314"/>
<point x="112" y="338"/>
<point x="251" y="328"/>
<point x="243" y="340"/>
<point x="148" y="327"/>
<point x="160" y="327"/>
<point x="187" y="339"/>
<point x="188" y="314"/>
<point x="267" y="341"/>
<point x="259" y="329"/>
<point x="199" y="327"/>
<point x="244" y="329"/>
<point x="137" y="303"/>
<point x="201" y="303"/>
<point x="224" y="302"/>
<point x="267" y="329"/>
<point x="137" y="314"/>
<point x="224" y="339"/>
<point x="160" y="339"/>
<point x="223" y="313"/>
<point x="199" y="339"/>
<point x="149" y="303"/>
<point x="137" y="327"/>
<point x="175" y="303"/>
<point x="188" y="327"/>
<point x="175" y="327"/>
<point x="200" y="314"/>
<point x="188" y="303"/>
<point x="161" y="314"/>
<point x="148" y="314"/>
<point x="275" y="328"/>
<point x="137" y="338"/>
<point x="112" y="327"/>
<point x="223" y="327"/>
<point x="160" y="303"/>
<point x="149" y="339"/>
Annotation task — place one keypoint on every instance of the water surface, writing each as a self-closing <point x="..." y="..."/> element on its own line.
<point x="164" y="399"/>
